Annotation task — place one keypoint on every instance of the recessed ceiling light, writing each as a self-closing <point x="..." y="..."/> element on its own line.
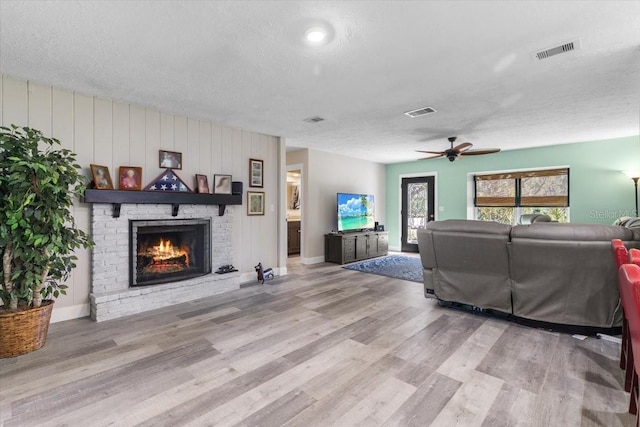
<point x="315" y="35"/>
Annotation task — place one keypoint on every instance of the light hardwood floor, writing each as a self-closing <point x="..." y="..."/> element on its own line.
<point x="323" y="346"/>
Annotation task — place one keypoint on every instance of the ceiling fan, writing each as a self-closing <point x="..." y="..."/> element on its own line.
<point x="459" y="150"/>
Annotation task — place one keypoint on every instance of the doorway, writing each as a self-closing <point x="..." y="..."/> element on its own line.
<point x="294" y="207"/>
<point x="418" y="204"/>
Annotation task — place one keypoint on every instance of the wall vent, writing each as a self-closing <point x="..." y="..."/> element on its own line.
<point x="420" y="112"/>
<point x="314" y="119"/>
<point x="557" y="50"/>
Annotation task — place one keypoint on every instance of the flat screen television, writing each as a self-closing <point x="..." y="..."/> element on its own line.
<point x="355" y="212"/>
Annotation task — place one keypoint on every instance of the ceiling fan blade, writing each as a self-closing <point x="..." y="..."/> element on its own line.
<point x="478" y="152"/>
<point x="433" y="157"/>
<point x="462" y="147"/>
<point x="442" y="153"/>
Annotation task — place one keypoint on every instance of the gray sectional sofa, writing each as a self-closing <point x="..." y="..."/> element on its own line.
<point x="547" y="272"/>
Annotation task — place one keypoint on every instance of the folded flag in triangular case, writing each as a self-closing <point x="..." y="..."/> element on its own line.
<point x="168" y="181"/>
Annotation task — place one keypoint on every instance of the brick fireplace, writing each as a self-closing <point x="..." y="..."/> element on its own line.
<point x="112" y="295"/>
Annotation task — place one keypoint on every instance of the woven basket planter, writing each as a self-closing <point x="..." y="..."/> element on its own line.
<point x="24" y="331"/>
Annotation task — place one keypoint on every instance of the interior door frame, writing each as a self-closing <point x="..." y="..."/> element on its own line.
<point x="436" y="207"/>
<point x="291" y="168"/>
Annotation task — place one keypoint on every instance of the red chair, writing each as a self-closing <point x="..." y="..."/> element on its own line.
<point x="620" y="252"/>
<point x="629" y="279"/>
<point x="621" y="256"/>
<point x="634" y="256"/>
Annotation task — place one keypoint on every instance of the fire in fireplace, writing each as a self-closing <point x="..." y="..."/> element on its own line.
<point x="168" y="250"/>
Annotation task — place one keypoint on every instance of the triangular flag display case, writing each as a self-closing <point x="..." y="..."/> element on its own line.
<point x="167" y="188"/>
<point x="168" y="181"/>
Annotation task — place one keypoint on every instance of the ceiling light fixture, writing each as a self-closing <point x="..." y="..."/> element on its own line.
<point x="314" y="119"/>
<point x="315" y="35"/>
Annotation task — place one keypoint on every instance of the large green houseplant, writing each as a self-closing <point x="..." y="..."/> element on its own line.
<point x="38" y="183"/>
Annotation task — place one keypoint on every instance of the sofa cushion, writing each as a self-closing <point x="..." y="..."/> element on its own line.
<point x="633" y="223"/>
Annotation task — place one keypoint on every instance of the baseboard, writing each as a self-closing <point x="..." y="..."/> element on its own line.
<point x="313" y="260"/>
<point x="395" y="249"/>
<point x="60" y="314"/>
<point x="248" y="277"/>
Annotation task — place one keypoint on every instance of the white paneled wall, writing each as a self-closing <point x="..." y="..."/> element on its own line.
<point x="115" y="134"/>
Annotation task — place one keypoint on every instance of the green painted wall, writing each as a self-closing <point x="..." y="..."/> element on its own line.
<point x="599" y="192"/>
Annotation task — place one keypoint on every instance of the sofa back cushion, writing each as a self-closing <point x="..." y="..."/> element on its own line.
<point x="575" y="232"/>
<point x="469" y="226"/>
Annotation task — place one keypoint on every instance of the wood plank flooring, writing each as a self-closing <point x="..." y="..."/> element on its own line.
<point x="323" y="346"/>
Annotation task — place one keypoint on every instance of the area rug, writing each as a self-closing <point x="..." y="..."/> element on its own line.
<point x="396" y="266"/>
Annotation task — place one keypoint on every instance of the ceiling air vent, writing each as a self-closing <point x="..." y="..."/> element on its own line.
<point x="314" y="119"/>
<point x="557" y="50"/>
<point x="420" y="112"/>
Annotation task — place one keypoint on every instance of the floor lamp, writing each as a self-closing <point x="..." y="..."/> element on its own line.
<point x="634" y="175"/>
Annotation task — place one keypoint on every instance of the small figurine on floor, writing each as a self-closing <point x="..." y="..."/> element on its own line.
<point x="263" y="273"/>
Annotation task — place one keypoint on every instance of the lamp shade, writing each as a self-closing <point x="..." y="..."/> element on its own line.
<point x="633" y="174"/>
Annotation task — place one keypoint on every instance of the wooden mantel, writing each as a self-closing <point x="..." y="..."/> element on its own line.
<point x="118" y="197"/>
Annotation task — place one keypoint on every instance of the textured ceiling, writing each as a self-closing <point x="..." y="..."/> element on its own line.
<point x="245" y="64"/>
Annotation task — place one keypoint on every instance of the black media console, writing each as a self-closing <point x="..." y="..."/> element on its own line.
<point x="342" y="248"/>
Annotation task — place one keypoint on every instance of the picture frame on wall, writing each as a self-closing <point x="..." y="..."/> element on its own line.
<point x="130" y="178"/>
<point x="101" y="177"/>
<point x="255" y="202"/>
<point x="202" y="184"/>
<point x="256" y="173"/>
<point x="221" y="184"/>
<point x="170" y="159"/>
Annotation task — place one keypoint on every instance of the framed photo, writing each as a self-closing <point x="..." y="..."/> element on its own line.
<point x="255" y="172"/>
<point x="170" y="159"/>
<point x="101" y="177"/>
<point x="130" y="178"/>
<point x="221" y="184"/>
<point x="202" y="184"/>
<point x="255" y="202"/>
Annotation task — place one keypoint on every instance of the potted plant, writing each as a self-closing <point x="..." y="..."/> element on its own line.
<point x="38" y="237"/>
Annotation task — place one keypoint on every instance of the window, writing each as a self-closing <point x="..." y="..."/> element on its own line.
<point x="503" y="197"/>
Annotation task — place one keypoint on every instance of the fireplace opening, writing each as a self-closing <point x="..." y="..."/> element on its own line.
<point x="163" y="251"/>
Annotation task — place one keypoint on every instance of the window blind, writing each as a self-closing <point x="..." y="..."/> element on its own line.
<point x="540" y="188"/>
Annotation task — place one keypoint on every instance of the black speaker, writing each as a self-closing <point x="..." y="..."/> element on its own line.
<point x="236" y="187"/>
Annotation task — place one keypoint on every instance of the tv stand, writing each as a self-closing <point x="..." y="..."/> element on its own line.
<point x="355" y="246"/>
